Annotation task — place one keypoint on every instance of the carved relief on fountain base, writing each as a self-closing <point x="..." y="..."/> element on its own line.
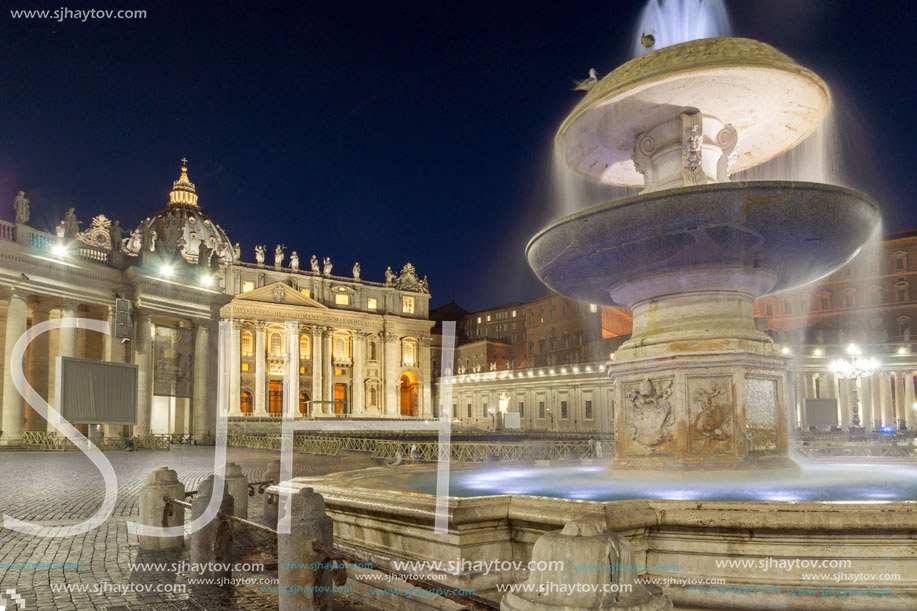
<point x="701" y="412"/>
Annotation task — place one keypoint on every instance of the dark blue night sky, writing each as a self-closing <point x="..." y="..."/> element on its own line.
<point x="384" y="132"/>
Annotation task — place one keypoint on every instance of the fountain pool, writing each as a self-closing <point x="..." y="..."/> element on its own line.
<point x="842" y="482"/>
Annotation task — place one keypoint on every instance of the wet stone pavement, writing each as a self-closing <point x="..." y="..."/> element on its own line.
<point x="62" y="488"/>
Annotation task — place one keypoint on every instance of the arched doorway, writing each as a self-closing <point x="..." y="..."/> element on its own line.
<point x="409" y="395"/>
<point x="245" y="403"/>
<point x="303" y="403"/>
<point x="275" y="397"/>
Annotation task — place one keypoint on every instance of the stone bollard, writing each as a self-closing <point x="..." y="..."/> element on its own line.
<point x="161" y="482"/>
<point x="308" y="523"/>
<point x="269" y="503"/>
<point x="584" y="542"/>
<point x="213" y="559"/>
<point x="237" y="485"/>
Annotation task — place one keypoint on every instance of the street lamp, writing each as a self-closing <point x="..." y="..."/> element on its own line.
<point x="854" y="367"/>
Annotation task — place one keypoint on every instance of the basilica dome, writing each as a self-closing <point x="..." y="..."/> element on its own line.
<point x="181" y="227"/>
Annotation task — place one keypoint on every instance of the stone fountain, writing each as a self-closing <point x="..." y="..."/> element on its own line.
<point x="698" y="386"/>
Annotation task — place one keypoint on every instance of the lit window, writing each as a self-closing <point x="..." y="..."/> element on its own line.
<point x="341" y="348"/>
<point x="342" y="299"/>
<point x="338" y="372"/>
<point x="276" y="344"/>
<point x="247" y="348"/>
<point x="514" y="313"/>
<point x="302" y="370"/>
<point x="245" y="367"/>
<point x="306" y="292"/>
<point x="407" y="304"/>
<point x="408" y="350"/>
<point x="479" y="320"/>
<point x="372" y="303"/>
<point x="488" y="318"/>
<point x="247" y="285"/>
<point x="593" y="308"/>
<point x="305" y="347"/>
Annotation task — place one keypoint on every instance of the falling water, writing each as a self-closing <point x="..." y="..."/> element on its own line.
<point x="818" y="158"/>
<point x="573" y="192"/>
<point x="676" y="21"/>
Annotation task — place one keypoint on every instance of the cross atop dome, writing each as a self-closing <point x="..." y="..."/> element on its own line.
<point x="183" y="193"/>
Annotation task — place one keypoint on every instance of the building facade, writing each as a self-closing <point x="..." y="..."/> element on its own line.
<point x="303" y="341"/>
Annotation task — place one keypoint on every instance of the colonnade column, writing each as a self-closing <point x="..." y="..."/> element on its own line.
<point x="316" y="408"/>
<point x="68" y="337"/>
<point x="885" y="396"/>
<point x="843" y="402"/>
<point x="143" y="358"/>
<point x="426" y="377"/>
<point x="327" y="380"/>
<point x="390" y="379"/>
<point x="235" y="370"/>
<point x="898" y="407"/>
<point x="359" y="355"/>
<point x="875" y="388"/>
<point x="260" y="370"/>
<point x="910" y="413"/>
<point x="39" y="366"/>
<point x="291" y="371"/>
<point x="800" y="400"/>
<point x="202" y="396"/>
<point x="13" y="420"/>
<point x="112" y="352"/>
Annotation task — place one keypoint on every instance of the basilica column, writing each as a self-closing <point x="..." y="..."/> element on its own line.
<point x="800" y="399"/>
<point x="390" y="378"/>
<point x="143" y="358"/>
<point x="426" y="376"/>
<point x="39" y="365"/>
<point x="291" y="371"/>
<point x="910" y="414"/>
<point x="13" y="403"/>
<point x="235" y="370"/>
<point x="359" y="355"/>
<point x="260" y="370"/>
<point x="327" y="379"/>
<point x="112" y="352"/>
<point x="316" y="353"/>
<point x="68" y="342"/>
<point x="202" y="396"/>
<point x="875" y="410"/>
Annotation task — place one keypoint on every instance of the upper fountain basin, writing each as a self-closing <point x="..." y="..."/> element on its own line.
<point x="771" y="101"/>
<point x="800" y="230"/>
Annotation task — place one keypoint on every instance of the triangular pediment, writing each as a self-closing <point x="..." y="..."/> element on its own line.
<point x="279" y="293"/>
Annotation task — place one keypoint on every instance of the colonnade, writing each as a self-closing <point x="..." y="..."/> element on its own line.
<point x="885" y="398"/>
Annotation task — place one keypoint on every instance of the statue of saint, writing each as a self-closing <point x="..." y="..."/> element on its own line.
<point x="389" y="275"/>
<point x="313" y="262"/>
<point x="171" y="233"/>
<point x="71" y="224"/>
<point x="135" y="242"/>
<point x="237" y="252"/>
<point x="294" y="260"/>
<point x="259" y="254"/>
<point x="59" y="230"/>
<point x="203" y="255"/>
<point x="21" y="208"/>
<point x="326" y="266"/>
<point x="115" y="234"/>
<point x="356" y="270"/>
<point x="278" y="255"/>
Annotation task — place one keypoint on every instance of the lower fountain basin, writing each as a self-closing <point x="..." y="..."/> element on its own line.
<point x="799" y="230"/>
<point x="839" y="482"/>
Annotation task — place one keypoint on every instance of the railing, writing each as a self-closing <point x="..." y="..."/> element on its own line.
<point x="7" y="231"/>
<point x="484" y="452"/>
<point x="50" y="440"/>
<point x="258" y="442"/>
<point x="99" y="255"/>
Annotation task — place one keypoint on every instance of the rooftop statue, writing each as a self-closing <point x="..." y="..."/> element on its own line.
<point x="21" y="208"/>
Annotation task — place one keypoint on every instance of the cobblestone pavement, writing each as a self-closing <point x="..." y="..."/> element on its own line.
<point x="60" y="488"/>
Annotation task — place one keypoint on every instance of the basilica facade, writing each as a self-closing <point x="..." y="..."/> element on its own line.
<point x="303" y="341"/>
